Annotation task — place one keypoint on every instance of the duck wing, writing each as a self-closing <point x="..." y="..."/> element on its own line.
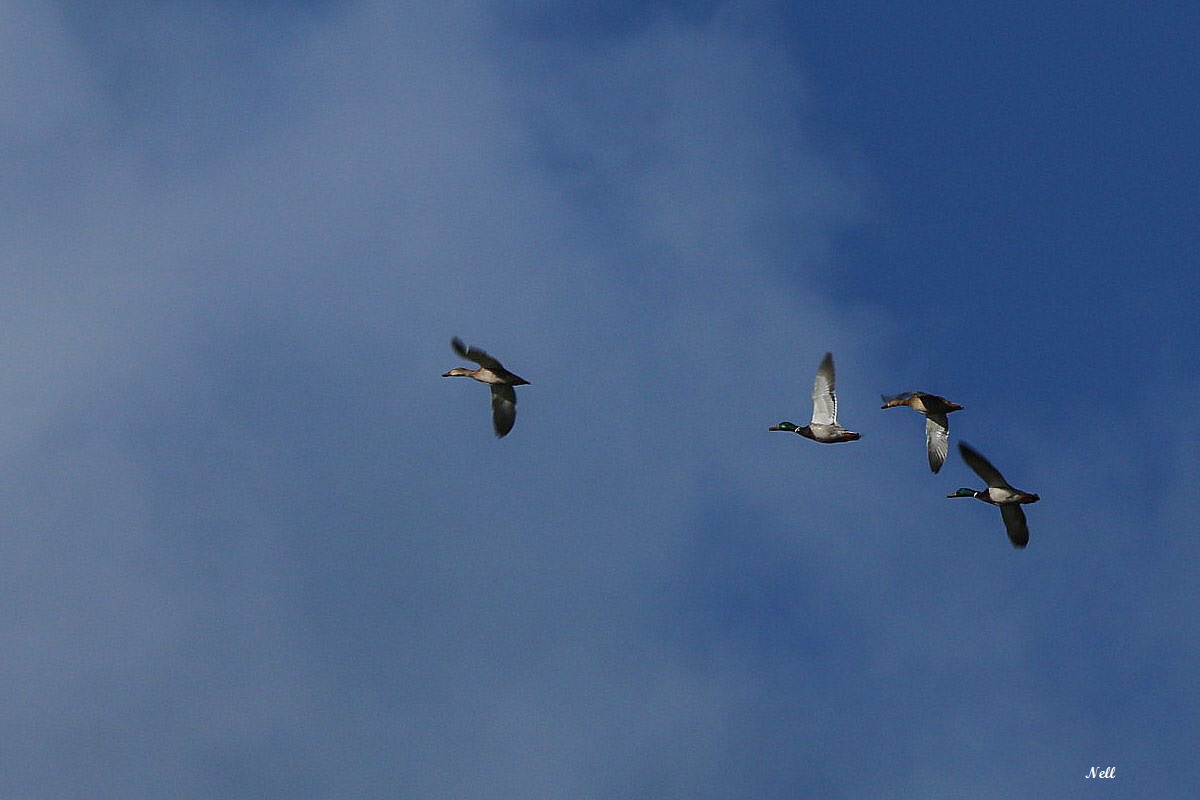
<point x="823" y="396"/>
<point x="937" y="440"/>
<point x="1014" y="523"/>
<point x="475" y="354"/>
<point x="504" y="408"/>
<point x="983" y="468"/>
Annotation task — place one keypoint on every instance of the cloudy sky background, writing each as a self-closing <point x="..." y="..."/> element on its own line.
<point x="253" y="546"/>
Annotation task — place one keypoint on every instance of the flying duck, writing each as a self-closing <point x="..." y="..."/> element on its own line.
<point x="501" y="381"/>
<point x="937" y="428"/>
<point x="824" y="426"/>
<point x="998" y="493"/>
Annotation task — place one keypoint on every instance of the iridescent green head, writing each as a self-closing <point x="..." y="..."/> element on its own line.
<point x="964" y="492"/>
<point x="783" y="426"/>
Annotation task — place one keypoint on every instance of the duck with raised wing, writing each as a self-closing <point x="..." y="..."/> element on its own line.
<point x="824" y="427"/>
<point x="501" y="381"/>
<point x="998" y="493"/>
<point x="937" y="428"/>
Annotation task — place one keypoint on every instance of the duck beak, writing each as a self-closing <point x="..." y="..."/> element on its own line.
<point x="774" y="428"/>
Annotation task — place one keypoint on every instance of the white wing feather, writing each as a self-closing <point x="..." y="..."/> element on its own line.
<point x="937" y="439"/>
<point x="823" y="396"/>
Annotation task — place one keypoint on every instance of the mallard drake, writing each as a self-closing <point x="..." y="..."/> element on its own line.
<point x="998" y="493"/>
<point x="824" y="426"/>
<point x="493" y="373"/>
<point x="937" y="428"/>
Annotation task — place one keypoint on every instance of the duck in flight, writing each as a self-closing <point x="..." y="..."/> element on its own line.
<point x="937" y="428"/>
<point x="998" y="493"/>
<point x="501" y="381"/>
<point x="824" y="426"/>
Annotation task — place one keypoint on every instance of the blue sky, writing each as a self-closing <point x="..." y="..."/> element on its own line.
<point x="255" y="546"/>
